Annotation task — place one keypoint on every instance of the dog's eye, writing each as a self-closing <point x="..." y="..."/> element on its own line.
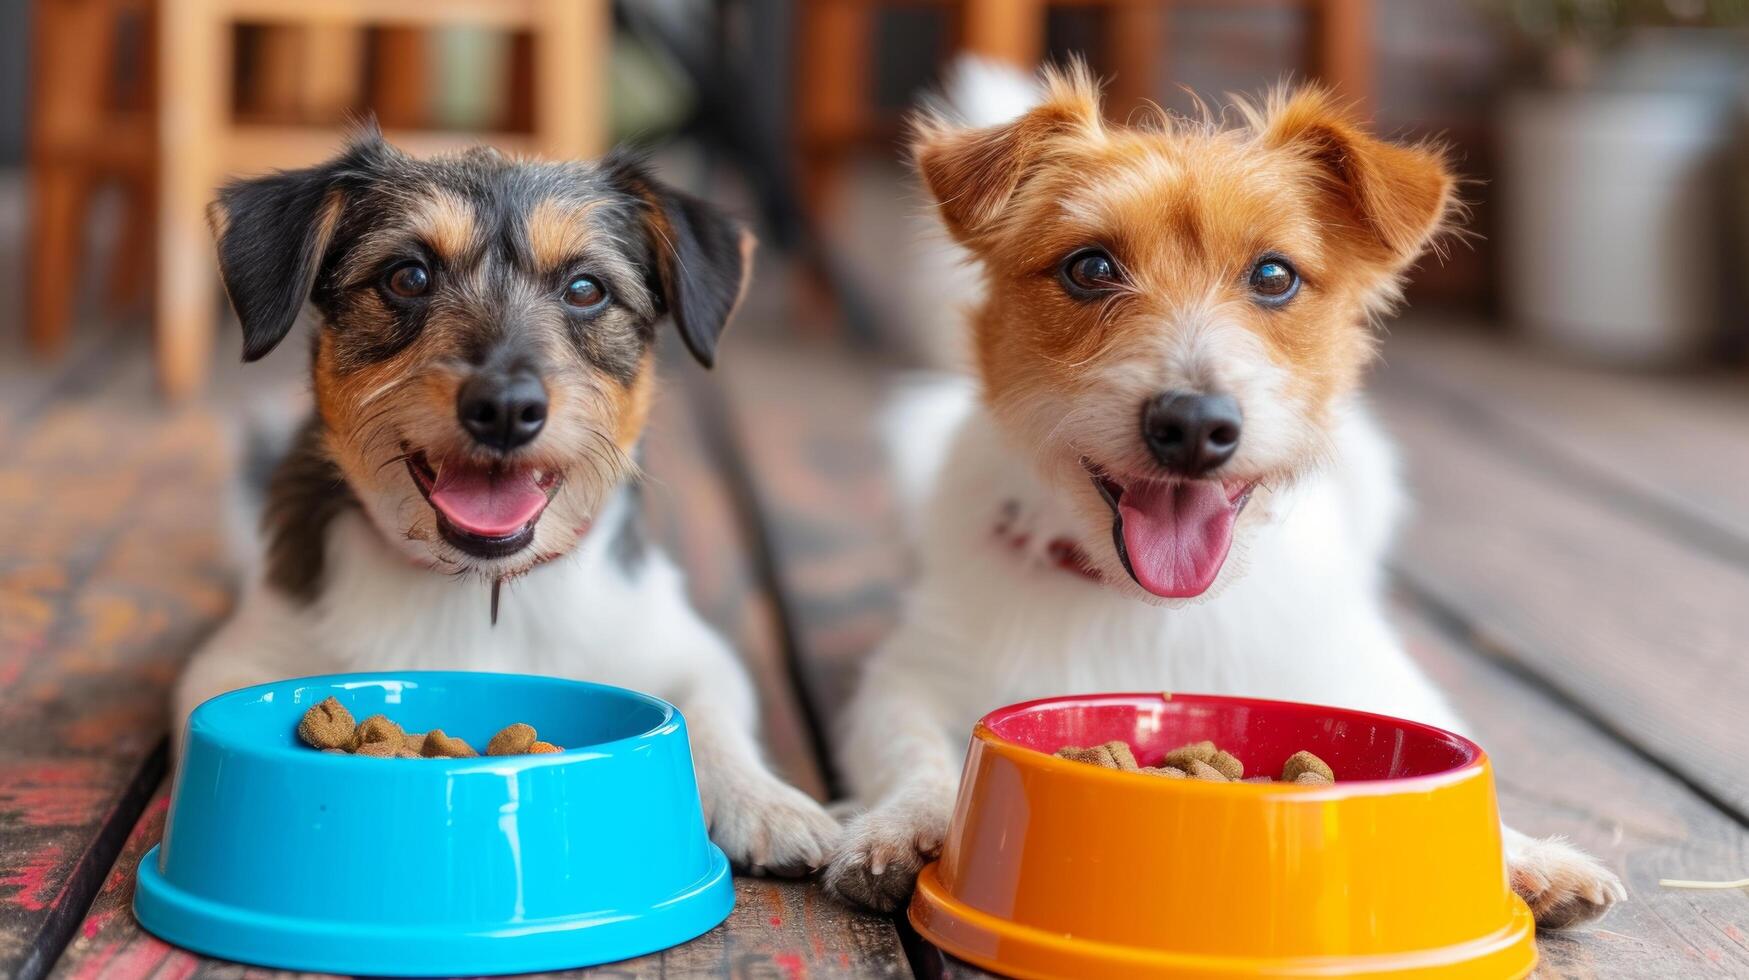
<point x="1273" y="280"/>
<point x="409" y="280"/>
<point x="1090" y="272"/>
<point x="584" y="293"/>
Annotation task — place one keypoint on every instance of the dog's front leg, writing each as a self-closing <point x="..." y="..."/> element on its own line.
<point x="900" y="761"/>
<point x="761" y="822"/>
<point x="261" y="642"/>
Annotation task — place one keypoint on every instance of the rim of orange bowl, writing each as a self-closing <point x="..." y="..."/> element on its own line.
<point x="1477" y="761"/>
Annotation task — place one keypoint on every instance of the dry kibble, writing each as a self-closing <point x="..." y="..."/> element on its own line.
<point x="1227" y="764"/>
<point x="513" y="740"/>
<point x="1200" y="760"/>
<point x="1111" y="755"/>
<point x="1202" y="770"/>
<point x="379" y="750"/>
<point x="1184" y="755"/>
<point x="377" y="728"/>
<point x="327" y="726"/>
<point x="1302" y="762"/>
<point x="438" y="745"/>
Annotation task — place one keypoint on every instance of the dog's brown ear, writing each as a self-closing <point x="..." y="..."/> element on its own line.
<point x="703" y="257"/>
<point x="272" y="232"/>
<point x="1401" y="196"/>
<point x="973" y="173"/>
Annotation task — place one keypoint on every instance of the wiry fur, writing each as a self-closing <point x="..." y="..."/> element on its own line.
<point x="360" y="574"/>
<point x="1185" y="207"/>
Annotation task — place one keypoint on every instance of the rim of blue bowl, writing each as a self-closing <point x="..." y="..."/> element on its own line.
<point x="247" y="744"/>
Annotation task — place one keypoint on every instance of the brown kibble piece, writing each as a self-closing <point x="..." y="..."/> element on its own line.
<point x="1228" y="765"/>
<point x="440" y="746"/>
<point x="377" y="728"/>
<point x="1112" y="755"/>
<point x="327" y="725"/>
<point x="379" y="750"/>
<point x="1202" y="770"/>
<point x="413" y="742"/>
<point x="513" y="740"/>
<point x="1200" y="760"/>
<point x="1303" y="762"/>
<point x="543" y="748"/>
<point x="1181" y="757"/>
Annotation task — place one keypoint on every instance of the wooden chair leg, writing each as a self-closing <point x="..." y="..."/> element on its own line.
<point x="834" y="42"/>
<point x="1135" y="36"/>
<point x="73" y="45"/>
<point x="1004" y="30"/>
<point x="194" y="61"/>
<point x="273" y="55"/>
<point x="1341" y="54"/>
<point x="400" y="84"/>
<point x="570" y="77"/>
<point x="58" y="197"/>
<point x="131" y="266"/>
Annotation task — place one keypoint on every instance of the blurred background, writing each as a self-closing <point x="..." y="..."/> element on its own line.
<point x="1568" y="383"/>
<point x="1602" y="139"/>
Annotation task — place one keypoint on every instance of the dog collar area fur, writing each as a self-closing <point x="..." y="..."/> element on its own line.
<point x="1060" y="552"/>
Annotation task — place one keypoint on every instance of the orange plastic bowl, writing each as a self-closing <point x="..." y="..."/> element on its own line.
<point x="1054" y="868"/>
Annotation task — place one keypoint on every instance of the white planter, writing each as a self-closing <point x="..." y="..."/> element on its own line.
<point x="1614" y="216"/>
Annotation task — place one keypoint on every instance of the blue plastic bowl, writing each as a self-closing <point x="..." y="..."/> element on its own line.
<point x="279" y="855"/>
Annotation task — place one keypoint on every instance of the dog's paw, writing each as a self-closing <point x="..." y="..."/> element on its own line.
<point x="768" y="826"/>
<point x="882" y="851"/>
<point x="1563" y="885"/>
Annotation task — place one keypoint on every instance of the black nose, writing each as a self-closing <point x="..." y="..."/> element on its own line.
<point x="1189" y="433"/>
<point x="502" y="410"/>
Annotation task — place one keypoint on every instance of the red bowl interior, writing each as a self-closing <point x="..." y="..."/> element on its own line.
<point x="1356" y="745"/>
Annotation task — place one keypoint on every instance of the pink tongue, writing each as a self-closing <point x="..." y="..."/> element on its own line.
<point x="487" y="504"/>
<point x="1176" y="534"/>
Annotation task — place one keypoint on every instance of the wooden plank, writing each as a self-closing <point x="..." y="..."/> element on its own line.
<point x="1676" y="446"/>
<point x="778" y="927"/>
<point x="1638" y="627"/>
<point x="803" y="415"/>
<point x="1560" y="774"/>
<point x="112" y="570"/>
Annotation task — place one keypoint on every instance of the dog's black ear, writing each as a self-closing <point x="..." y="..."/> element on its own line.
<point x="272" y="232"/>
<point x="703" y="257"/>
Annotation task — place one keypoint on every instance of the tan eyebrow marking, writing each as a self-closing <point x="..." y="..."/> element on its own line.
<point x="446" y="223"/>
<point x="557" y="231"/>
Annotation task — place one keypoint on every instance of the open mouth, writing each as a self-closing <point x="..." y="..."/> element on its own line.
<point x="485" y="511"/>
<point x="1172" y="535"/>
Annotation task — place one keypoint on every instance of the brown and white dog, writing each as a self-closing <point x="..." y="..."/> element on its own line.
<point x="483" y="368"/>
<point x="1163" y="475"/>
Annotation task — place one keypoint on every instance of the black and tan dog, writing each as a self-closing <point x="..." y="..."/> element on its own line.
<point x="483" y="368"/>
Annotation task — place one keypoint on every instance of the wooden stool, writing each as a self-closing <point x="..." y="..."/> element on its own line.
<point x="834" y="44"/>
<point x="187" y="140"/>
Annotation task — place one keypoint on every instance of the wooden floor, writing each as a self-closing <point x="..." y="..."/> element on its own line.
<point x="1577" y="574"/>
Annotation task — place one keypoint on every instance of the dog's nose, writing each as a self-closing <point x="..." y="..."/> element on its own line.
<point x="502" y="410"/>
<point x="1190" y="433"/>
